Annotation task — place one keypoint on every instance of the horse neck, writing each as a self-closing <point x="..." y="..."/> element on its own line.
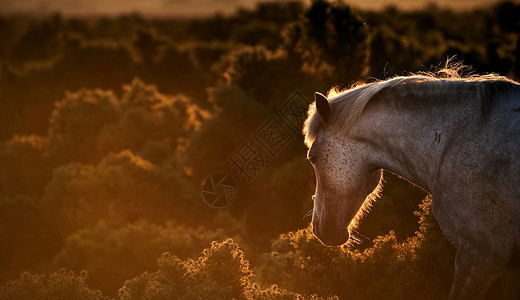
<point x="409" y="135"/>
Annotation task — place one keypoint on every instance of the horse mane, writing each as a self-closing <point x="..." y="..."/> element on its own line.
<point x="347" y="105"/>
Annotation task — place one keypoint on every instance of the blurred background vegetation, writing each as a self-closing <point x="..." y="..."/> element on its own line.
<point x="110" y="124"/>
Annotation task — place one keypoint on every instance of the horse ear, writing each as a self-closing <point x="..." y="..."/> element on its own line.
<point x="322" y="106"/>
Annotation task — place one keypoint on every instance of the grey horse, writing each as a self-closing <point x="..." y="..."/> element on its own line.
<point x="457" y="138"/>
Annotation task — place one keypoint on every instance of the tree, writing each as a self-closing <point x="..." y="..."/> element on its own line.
<point x="332" y="41"/>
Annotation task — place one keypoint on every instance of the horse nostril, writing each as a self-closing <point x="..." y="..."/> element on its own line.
<point x="313" y="197"/>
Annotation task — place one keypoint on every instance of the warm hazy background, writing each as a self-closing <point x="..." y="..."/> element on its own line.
<point x="109" y="124"/>
<point x="194" y="7"/>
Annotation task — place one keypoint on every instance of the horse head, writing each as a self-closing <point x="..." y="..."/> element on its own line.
<point x="344" y="178"/>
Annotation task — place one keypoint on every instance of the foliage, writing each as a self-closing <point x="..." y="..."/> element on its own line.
<point x="23" y="159"/>
<point x="62" y="284"/>
<point x="332" y="42"/>
<point x="110" y="124"/>
<point x="222" y="272"/>
<point x="121" y="188"/>
<point x="113" y="255"/>
<point x="95" y="121"/>
<point x="421" y="266"/>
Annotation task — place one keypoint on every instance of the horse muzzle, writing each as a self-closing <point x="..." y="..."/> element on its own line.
<point x="330" y="235"/>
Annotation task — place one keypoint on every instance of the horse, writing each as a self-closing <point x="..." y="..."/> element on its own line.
<point x="456" y="137"/>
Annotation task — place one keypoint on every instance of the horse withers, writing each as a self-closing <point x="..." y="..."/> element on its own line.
<point x="457" y="138"/>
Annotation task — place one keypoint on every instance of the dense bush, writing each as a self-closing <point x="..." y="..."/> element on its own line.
<point x="61" y="285"/>
<point x="421" y="266"/>
<point x="222" y="272"/>
<point x="143" y="120"/>
<point x="113" y="255"/>
<point x="418" y="267"/>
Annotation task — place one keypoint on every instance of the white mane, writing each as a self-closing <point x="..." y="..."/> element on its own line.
<point x="347" y="105"/>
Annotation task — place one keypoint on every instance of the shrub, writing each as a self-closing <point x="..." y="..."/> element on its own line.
<point x="77" y="121"/>
<point x="420" y="267"/>
<point x="121" y="188"/>
<point x="112" y="255"/>
<point x="60" y="285"/>
<point x="222" y="272"/>
<point x="24" y="165"/>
